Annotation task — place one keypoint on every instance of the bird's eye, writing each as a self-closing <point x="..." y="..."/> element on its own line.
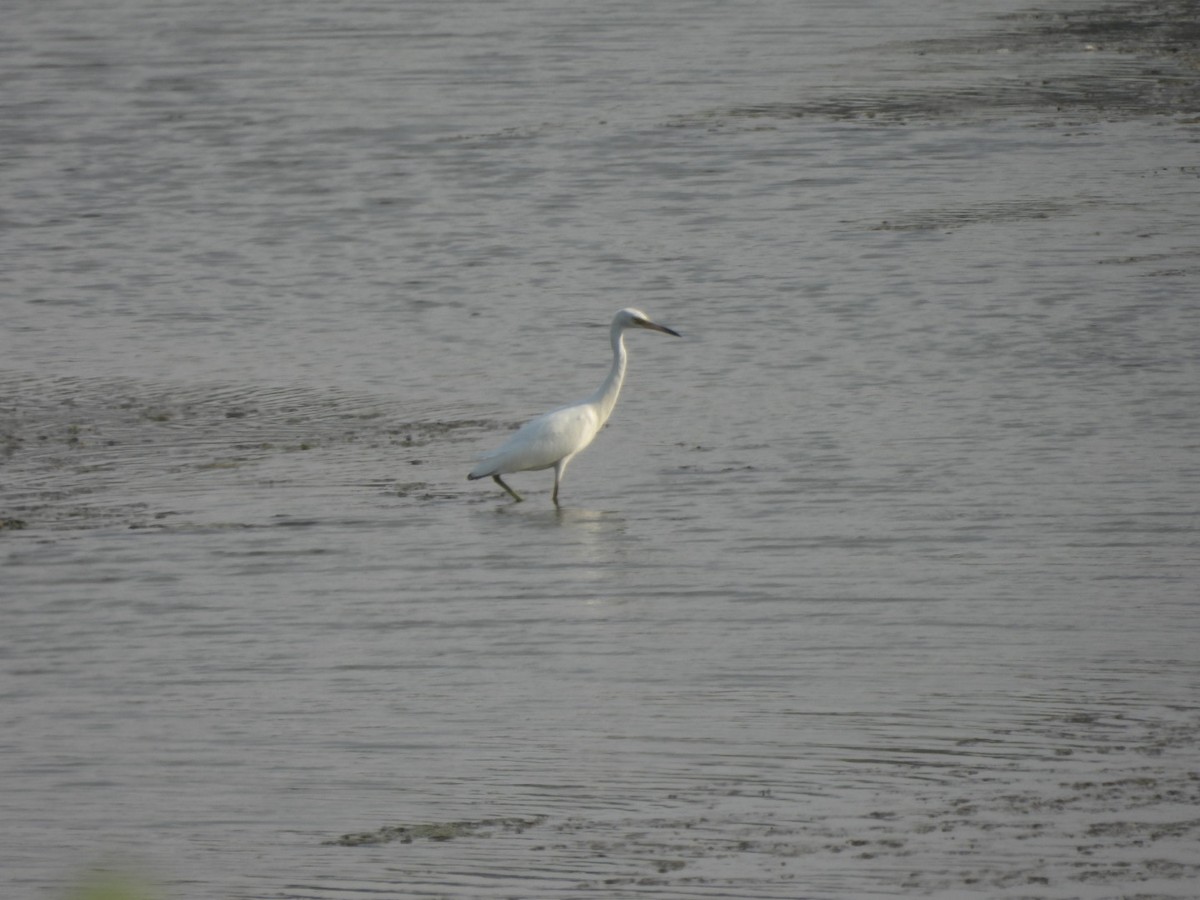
<point x="639" y="321"/>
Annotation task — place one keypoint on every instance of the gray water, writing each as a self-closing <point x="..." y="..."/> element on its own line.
<point x="881" y="582"/>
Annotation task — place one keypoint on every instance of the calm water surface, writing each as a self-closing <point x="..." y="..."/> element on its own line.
<point x="882" y="582"/>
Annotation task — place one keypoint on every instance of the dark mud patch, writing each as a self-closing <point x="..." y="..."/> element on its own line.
<point x="1111" y="62"/>
<point x="1113" y="817"/>
<point x="77" y="453"/>
<point x="436" y="831"/>
<point x="1159" y="28"/>
<point x="1001" y="211"/>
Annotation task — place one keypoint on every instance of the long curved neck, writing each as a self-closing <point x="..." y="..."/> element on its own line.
<point x="605" y="397"/>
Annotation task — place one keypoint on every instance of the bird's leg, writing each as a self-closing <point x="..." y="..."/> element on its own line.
<point x="559" y="468"/>
<point x="500" y="481"/>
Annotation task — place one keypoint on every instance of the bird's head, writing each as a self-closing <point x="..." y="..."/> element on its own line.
<point x="635" y="318"/>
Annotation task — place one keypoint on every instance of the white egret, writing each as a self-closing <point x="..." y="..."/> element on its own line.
<point x="555" y="438"/>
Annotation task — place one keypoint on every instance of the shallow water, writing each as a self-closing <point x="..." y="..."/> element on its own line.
<point x="880" y="583"/>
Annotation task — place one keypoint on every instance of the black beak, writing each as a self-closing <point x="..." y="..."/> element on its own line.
<point x="663" y="328"/>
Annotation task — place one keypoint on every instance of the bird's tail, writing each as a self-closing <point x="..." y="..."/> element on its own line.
<point x="482" y="469"/>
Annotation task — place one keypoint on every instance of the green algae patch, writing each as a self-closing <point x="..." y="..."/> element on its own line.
<point x="435" y="831"/>
<point x="111" y="885"/>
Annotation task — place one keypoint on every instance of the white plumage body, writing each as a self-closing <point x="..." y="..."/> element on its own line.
<point x="542" y="442"/>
